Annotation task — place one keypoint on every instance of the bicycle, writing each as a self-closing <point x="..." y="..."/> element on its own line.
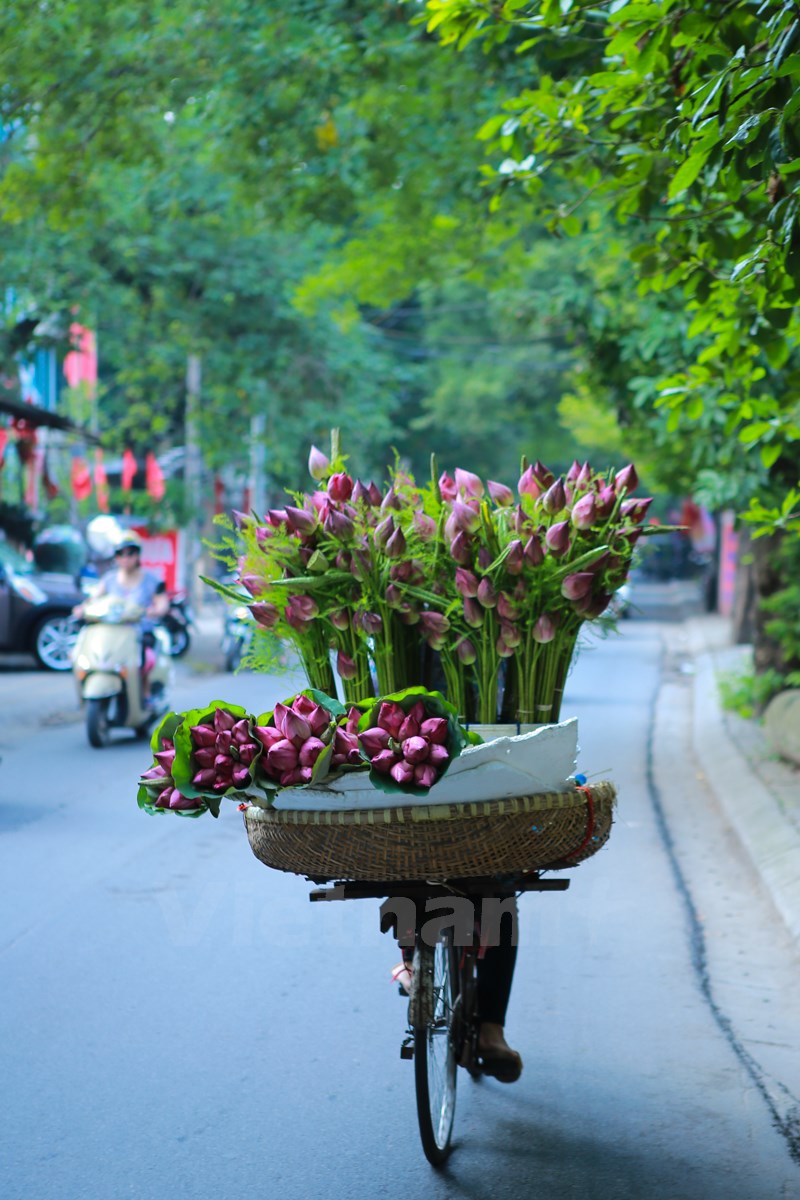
<point x="443" y="1023"/>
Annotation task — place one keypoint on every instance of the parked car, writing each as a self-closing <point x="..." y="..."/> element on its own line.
<point x="36" y="611"/>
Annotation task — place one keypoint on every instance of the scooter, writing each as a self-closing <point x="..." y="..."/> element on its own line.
<point x="178" y="622"/>
<point x="237" y="635"/>
<point x="108" y="672"/>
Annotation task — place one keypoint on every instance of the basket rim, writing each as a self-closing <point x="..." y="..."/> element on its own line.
<point x="604" y="791"/>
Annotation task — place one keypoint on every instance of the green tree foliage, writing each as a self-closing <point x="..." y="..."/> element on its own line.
<point x="680" y="122"/>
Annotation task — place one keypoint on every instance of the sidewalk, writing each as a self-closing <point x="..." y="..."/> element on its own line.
<point x="759" y="792"/>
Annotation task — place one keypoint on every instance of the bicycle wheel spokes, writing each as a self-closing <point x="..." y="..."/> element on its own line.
<point x="434" y="1048"/>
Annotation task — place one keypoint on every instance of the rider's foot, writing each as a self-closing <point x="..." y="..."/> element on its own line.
<point x="401" y="975"/>
<point x="497" y="1057"/>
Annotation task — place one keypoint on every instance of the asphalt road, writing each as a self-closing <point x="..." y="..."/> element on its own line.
<point x="178" y="1021"/>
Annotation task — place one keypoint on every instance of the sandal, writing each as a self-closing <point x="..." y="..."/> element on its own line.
<point x="505" y="1068"/>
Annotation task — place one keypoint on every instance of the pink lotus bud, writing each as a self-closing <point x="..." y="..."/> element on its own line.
<point x="277" y="517"/>
<point x="390" y="500"/>
<point x="557" y="538"/>
<point x="468" y="483"/>
<point x="296" y="729"/>
<point x="301" y="520"/>
<point x="514" y="560"/>
<point x="268" y="735"/>
<point x="463" y="518"/>
<point x="409" y="728"/>
<point x="415" y="749"/>
<point x="223" y="763"/>
<point x="345" y="747"/>
<point x="343" y="560"/>
<point x="434" y="729"/>
<point x="402" y="772"/>
<point x="425" y="775"/>
<point x="522" y="522"/>
<point x="575" y="586"/>
<point x="584" y="477"/>
<point x="265" y="614"/>
<point x="528" y="485"/>
<point x="507" y="610"/>
<point x="417" y="712"/>
<point x="502" y="495"/>
<point x="433" y="624"/>
<point x="573" y="472"/>
<point x="176" y="800"/>
<point x="345" y="666"/>
<point x="340" y="619"/>
<point x="391" y="717"/>
<point x="626" y="480"/>
<point x="248" y="752"/>
<point x="370" y="622"/>
<point x="310" y="751"/>
<point x="461" y="548"/>
<point x="424" y="526"/>
<point x="487" y="594"/>
<point x="438" y="756"/>
<point x="544" y="477"/>
<point x="510" y="634"/>
<point x="223" y="720"/>
<point x="473" y="613"/>
<point x="162" y="800"/>
<point x="241" y="731"/>
<point x="447" y="487"/>
<point x="241" y="775"/>
<point x="534" y="554"/>
<point x="340" y="487"/>
<point x="485" y="558"/>
<point x="204" y="757"/>
<point x="374" y="740"/>
<point x="279" y="715"/>
<point x="283" y="756"/>
<point x="338" y="525"/>
<point x="300" y="610"/>
<point x="544" y="630"/>
<point x="203" y="735"/>
<point x="224" y="740"/>
<point x="466" y="652"/>
<point x="317" y="716"/>
<point x="254" y="584"/>
<point x="296" y="777"/>
<point x="502" y="648"/>
<point x="635" y="510"/>
<point x="318" y="464"/>
<point x="374" y="495"/>
<point x="155" y="773"/>
<point x="241" y="519"/>
<point x="466" y="582"/>
<point x="384" y="760"/>
<point x="352" y="720"/>
<point x="396" y="545"/>
<point x="554" y="499"/>
<point x="165" y="759"/>
<point x="360" y="494"/>
<point x="605" y="502"/>
<point x="383" y="531"/>
<point x="584" y="512"/>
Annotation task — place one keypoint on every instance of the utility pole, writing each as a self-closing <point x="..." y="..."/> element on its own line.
<point x="192" y="479"/>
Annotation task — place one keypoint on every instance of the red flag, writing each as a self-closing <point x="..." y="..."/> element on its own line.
<point x="219" y="495"/>
<point x="154" y="479"/>
<point x="81" y="479"/>
<point x="100" y="481"/>
<point x="129" y="469"/>
<point x="3" y="441"/>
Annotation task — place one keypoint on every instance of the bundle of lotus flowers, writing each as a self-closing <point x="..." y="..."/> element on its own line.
<point x="406" y="743"/>
<point x="460" y="584"/>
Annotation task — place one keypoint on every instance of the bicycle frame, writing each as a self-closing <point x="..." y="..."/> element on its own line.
<point x="442" y="1010"/>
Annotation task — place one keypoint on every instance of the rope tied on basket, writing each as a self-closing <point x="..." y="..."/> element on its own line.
<point x="587" y="837"/>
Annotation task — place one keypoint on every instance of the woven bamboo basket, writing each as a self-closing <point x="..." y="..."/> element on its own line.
<point x="452" y="841"/>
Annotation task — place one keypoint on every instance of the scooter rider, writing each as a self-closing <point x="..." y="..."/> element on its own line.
<point x="130" y="581"/>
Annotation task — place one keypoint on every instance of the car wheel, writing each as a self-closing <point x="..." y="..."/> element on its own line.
<point x="54" y="640"/>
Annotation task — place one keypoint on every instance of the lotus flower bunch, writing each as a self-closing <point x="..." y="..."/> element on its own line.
<point x="158" y="785"/>
<point x="300" y="733"/>
<point x="223" y="752"/>
<point x="410" y="746"/>
<point x="474" y="581"/>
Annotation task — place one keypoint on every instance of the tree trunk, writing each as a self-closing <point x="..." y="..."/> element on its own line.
<point x="768" y="579"/>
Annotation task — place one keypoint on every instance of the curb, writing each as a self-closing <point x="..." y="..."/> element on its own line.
<point x="771" y="842"/>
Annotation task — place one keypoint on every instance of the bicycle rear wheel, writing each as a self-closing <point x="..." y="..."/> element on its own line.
<point x="432" y="1008"/>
